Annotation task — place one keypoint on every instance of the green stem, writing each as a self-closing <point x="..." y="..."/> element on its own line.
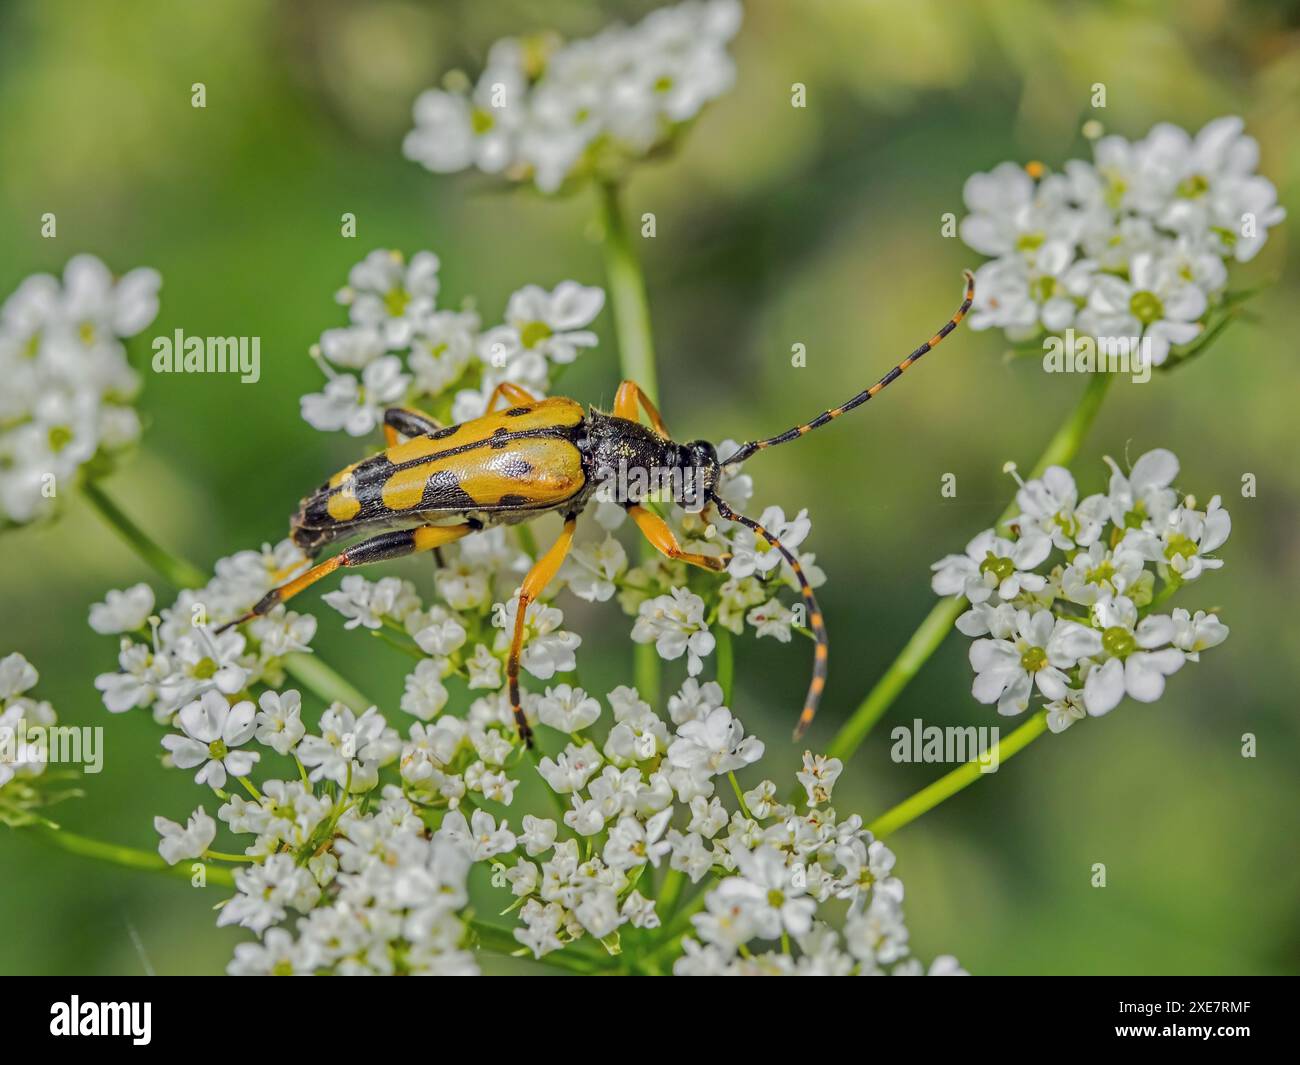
<point x="176" y="570"/>
<point x="636" y="357"/>
<point x="627" y="296"/>
<point x="945" y="787"/>
<point x="669" y="892"/>
<point x="129" y="857"/>
<point x="1062" y="449"/>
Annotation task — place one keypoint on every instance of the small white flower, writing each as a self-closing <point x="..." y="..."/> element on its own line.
<point x="212" y="732"/>
<point x="350" y="750"/>
<point x="751" y="554"/>
<point x="1095" y="573"/>
<point x="639" y="911"/>
<point x="1137" y="656"/>
<point x="773" y="618"/>
<point x="714" y="745"/>
<point x="1182" y="544"/>
<point x="1194" y="633"/>
<point x="480" y="835"/>
<point x="17" y="675"/>
<point x="1144" y="495"/>
<point x="390" y="296"/>
<point x="1052" y="504"/>
<point x="592" y="570"/>
<point x="538" y="835"/>
<point x="770" y="893"/>
<point x="124" y="611"/>
<point x="279" y="722"/>
<point x="631" y="844"/>
<point x="1064" y="712"/>
<point x="818" y="776"/>
<point x="547" y="648"/>
<point x="266" y="890"/>
<point x="1035" y="656"/>
<point x="484" y="668"/>
<point x="1155" y="303"/>
<point x="567" y="709"/>
<point x="551" y="323"/>
<point x="992" y="565"/>
<point x="425" y="694"/>
<point x="675" y="625"/>
<point x="192" y="841"/>
<point x="357" y="406"/>
<point x="571" y="768"/>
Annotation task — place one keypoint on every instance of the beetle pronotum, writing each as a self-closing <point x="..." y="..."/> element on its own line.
<point x="537" y="456"/>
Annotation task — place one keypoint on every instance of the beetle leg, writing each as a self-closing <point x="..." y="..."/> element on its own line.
<point x="626" y="400"/>
<point x="511" y="392"/>
<point x="376" y="549"/>
<point x="408" y="423"/>
<point x="661" y="537"/>
<point x="542" y="573"/>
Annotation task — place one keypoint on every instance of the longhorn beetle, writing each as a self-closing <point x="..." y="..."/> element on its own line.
<point x="539" y="455"/>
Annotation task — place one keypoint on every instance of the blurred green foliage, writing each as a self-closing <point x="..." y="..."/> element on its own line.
<point x="775" y="226"/>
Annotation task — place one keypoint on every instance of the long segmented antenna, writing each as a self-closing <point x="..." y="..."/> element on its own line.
<point x="815" y="621"/>
<point x="746" y="450"/>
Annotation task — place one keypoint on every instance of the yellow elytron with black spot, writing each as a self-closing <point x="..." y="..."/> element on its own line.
<point x="444" y="482"/>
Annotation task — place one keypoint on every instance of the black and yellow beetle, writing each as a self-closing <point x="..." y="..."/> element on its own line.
<point x="539" y="455"/>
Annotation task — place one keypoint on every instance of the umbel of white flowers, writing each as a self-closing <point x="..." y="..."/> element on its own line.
<point x="554" y="113"/>
<point x="1063" y="608"/>
<point x="68" y="389"/>
<point x="1133" y="245"/>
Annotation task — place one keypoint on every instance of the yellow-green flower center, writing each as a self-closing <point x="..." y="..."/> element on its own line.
<point x="205" y="669"/>
<point x="1033" y="659"/>
<point x="1194" y="187"/>
<point x="218" y="749"/>
<point x="1002" y="568"/>
<point x="1146" y="307"/>
<point x="1118" y="642"/>
<point x="1042" y="289"/>
<point x="481" y="121"/>
<point x="395" y="300"/>
<point x="534" y="333"/>
<point x="1100" y="574"/>
<point x="1179" y="544"/>
<point x="60" y="437"/>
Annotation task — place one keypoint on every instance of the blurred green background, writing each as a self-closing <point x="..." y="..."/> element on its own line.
<point x="775" y="226"/>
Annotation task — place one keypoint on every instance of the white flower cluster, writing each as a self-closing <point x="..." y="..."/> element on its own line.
<point x="783" y="865"/>
<point x="68" y="387"/>
<point x="401" y="349"/>
<point x="378" y="895"/>
<point x="1133" y="245"/>
<point x="360" y="838"/>
<point x="1064" y="604"/>
<point x="553" y="113"/>
<point x="168" y="661"/>
<point x="20" y="759"/>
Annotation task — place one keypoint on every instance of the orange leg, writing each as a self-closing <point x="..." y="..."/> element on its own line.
<point x="376" y="549"/>
<point x="542" y="573"/>
<point x="513" y="393"/>
<point x="626" y="400"/>
<point x="661" y="537"/>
